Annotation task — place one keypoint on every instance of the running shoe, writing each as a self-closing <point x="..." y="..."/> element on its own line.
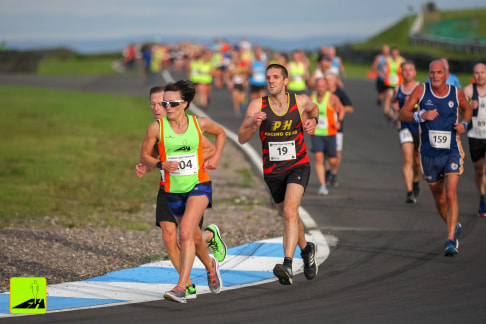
<point x="334" y="181"/>
<point x="214" y="278"/>
<point x="176" y="295"/>
<point x="416" y="189"/>
<point x="191" y="292"/>
<point x="323" y="190"/>
<point x="458" y="231"/>
<point x="411" y="198"/>
<point x="328" y="175"/>
<point x="217" y="244"/>
<point x="283" y="273"/>
<point x="310" y="266"/>
<point x="451" y="247"/>
<point x="482" y="209"/>
<point x="329" y="179"/>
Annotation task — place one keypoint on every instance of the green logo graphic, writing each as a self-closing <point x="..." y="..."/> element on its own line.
<point x="28" y="295"/>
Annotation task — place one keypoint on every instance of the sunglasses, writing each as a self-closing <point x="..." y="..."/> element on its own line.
<point x="172" y="103"/>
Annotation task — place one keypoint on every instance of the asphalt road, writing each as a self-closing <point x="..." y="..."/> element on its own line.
<point x="388" y="264"/>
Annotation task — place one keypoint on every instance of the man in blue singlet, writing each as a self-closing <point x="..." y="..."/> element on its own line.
<point x="441" y="153"/>
<point x="409" y="134"/>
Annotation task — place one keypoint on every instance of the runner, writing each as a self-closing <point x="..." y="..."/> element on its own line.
<point x="441" y="153"/>
<point x="476" y="95"/>
<point x="332" y="82"/>
<point x="238" y="73"/>
<point x="205" y="78"/>
<point x="298" y="73"/>
<point x="377" y="68"/>
<point x="393" y="78"/>
<point x="257" y="74"/>
<point x="331" y="114"/>
<point x="409" y="134"/>
<point x="187" y="184"/>
<point x="163" y="216"/>
<point x="337" y="63"/>
<point x="285" y="161"/>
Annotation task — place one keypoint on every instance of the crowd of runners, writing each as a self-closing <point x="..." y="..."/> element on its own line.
<point x="283" y="96"/>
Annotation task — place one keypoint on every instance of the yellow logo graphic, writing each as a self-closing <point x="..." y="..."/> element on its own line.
<point x="28" y="295"/>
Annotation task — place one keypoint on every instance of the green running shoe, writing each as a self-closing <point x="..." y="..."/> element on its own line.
<point x="217" y="244"/>
<point x="191" y="292"/>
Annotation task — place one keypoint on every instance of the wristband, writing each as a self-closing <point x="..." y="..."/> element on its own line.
<point x="418" y="116"/>
<point x="159" y="165"/>
<point x="465" y="124"/>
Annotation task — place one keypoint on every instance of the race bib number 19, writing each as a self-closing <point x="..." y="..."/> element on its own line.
<point x="187" y="165"/>
<point x="282" y="151"/>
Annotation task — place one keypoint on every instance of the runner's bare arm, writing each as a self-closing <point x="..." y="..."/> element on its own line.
<point x="253" y="120"/>
<point x="208" y="148"/>
<point x="210" y="127"/>
<point x="338" y="106"/>
<point x="307" y="105"/>
<point x="468" y="92"/>
<point x="150" y="139"/>
<point x="406" y="113"/>
<point x="460" y="127"/>
<point x="141" y="169"/>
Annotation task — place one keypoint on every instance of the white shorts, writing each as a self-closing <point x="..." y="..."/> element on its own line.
<point x="339" y="141"/>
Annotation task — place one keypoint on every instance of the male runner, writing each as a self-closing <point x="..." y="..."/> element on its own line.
<point x="441" y="153"/>
<point x="409" y="134"/>
<point x="286" y="164"/>
<point x="476" y="95"/>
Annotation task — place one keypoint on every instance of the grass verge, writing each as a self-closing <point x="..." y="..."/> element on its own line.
<point x="70" y="157"/>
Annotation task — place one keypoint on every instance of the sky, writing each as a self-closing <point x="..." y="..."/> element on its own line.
<point x="68" y="21"/>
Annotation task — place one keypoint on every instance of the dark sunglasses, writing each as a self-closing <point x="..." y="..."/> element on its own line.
<point x="172" y="103"/>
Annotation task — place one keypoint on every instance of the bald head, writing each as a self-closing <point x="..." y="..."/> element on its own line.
<point x="479" y="73"/>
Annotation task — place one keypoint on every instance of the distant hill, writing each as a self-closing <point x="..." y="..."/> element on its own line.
<point x="116" y="45"/>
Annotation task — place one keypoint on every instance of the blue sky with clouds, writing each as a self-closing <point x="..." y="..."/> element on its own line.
<point x="68" y="20"/>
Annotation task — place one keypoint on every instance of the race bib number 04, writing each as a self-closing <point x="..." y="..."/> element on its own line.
<point x="440" y="139"/>
<point x="187" y="166"/>
<point x="282" y="151"/>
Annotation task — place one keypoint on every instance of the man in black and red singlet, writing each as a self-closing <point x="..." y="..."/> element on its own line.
<point x="286" y="165"/>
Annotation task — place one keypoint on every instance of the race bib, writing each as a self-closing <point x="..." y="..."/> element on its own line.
<point x="322" y="123"/>
<point x="259" y="77"/>
<point x="187" y="166"/>
<point x="405" y="136"/>
<point x="297" y="78"/>
<point x="282" y="151"/>
<point x="393" y="79"/>
<point x="440" y="139"/>
<point x="479" y="123"/>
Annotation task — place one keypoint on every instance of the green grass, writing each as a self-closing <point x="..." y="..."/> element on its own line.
<point x="397" y="35"/>
<point x="71" y="156"/>
<point x="75" y="66"/>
